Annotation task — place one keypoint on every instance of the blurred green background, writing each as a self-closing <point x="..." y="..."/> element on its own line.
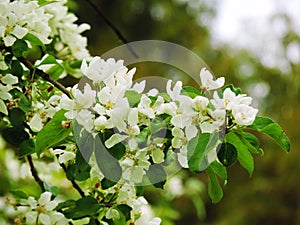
<point x="271" y="196"/>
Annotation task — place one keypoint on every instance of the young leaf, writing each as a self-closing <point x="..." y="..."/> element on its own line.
<point x="197" y="149"/>
<point x="269" y="127"/>
<point x="52" y="133"/>
<point x="244" y="156"/>
<point x="34" y="40"/>
<point x="215" y="191"/>
<point x="227" y="154"/>
<point x="55" y="71"/>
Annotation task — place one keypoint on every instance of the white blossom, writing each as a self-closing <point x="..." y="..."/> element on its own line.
<point x="207" y="80"/>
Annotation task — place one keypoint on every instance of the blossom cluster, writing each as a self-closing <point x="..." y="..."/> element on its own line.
<point x="50" y="23"/>
<point x="103" y="104"/>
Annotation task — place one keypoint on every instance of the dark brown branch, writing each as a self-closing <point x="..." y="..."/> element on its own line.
<point x="44" y="75"/>
<point x="35" y="173"/>
<point x="112" y="26"/>
<point x="75" y="185"/>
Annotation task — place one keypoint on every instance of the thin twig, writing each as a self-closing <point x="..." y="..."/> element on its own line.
<point x="35" y="173"/>
<point x="113" y="27"/>
<point x="75" y="185"/>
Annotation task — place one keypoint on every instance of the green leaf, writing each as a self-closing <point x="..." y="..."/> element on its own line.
<point x="27" y="147"/>
<point x="227" y="154"/>
<point x="251" y="142"/>
<point x="34" y="40"/>
<point x="106" y="183"/>
<point x="20" y="48"/>
<point x="190" y="91"/>
<point x="50" y="59"/>
<point x="269" y="127"/>
<point x="244" y="156"/>
<point x="15" y="135"/>
<point x="125" y="210"/>
<point x="133" y="98"/>
<point x="219" y="169"/>
<point x="52" y="189"/>
<point x="52" y="133"/>
<point x="16" y="68"/>
<point x="55" y="71"/>
<point x="157" y="175"/>
<point x="86" y="206"/>
<point x="66" y="204"/>
<point x="79" y="170"/>
<point x="215" y="191"/>
<point x="237" y="91"/>
<point x="18" y="194"/>
<point x="197" y="149"/>
<point x="17" y="117"/>
<point x="108" y="164"/>
<point x="24" y="104"/>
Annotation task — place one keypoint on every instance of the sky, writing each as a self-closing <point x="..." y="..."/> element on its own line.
<point x="245" y="24"/>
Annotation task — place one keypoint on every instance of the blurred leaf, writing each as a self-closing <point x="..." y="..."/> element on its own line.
<point x="52" y="189"/>
<point x="125" y="210"/>
<point x="106" y="183"/>
<point x="16" y="68"/>
<point x="24" y="104"/>
<point x="269" y="127"/>
<point x="244" y="156"/>
<point x="237" y="91"/>
<point x="52" y="133"/>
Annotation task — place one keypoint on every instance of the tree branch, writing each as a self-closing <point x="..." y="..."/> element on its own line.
<point x="35" y="173"/>
<point x="113" y="27"/>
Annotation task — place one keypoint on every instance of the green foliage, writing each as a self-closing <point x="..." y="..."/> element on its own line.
<point x="227" y="154"/>
<point x="157" y="175"/>
<point x="83" y="207"/>
<point x="198" y="147"/>
<point x="52" y="133"/>
<point x="269" y="127"/>
<point x="78" y="170"/>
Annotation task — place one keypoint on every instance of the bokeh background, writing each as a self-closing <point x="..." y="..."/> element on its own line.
<point x="256" y="46"/>
<point x="259" y="51"/>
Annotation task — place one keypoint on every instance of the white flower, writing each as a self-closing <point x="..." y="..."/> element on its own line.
<point x="244" y="115"/>
<point x="43" y="210"/>
<point x="207" y="80"/>
<point x="64" y="155"/>
<point x="200" y="103"/>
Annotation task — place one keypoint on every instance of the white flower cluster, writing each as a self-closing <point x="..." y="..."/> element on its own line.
<point x="41" y="211"/>
<point x="51" y="22"/>
<point x="105" y="106"/>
